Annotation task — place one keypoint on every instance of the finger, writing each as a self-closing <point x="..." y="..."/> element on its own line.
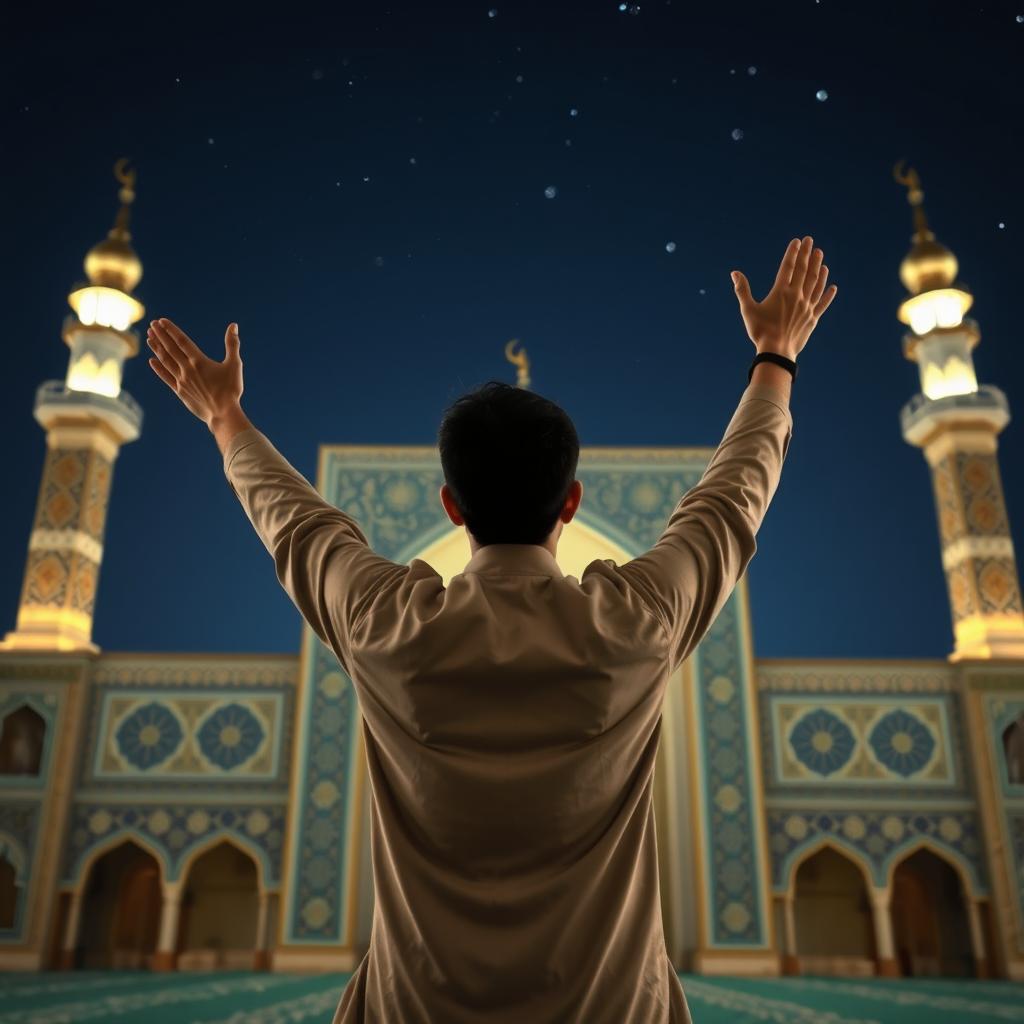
<point x="800" y="266"/>
<point x="825" y="301"/>
<point x="163" y="374"/>
<point x="819" y="285"/>
<point x="166" y="357"/>
<point x="788" y="262"/>
<point x="742" y="286"/>
<point x="810" y="281"/>
<point x="183" y="341"/>
<point x="231" y="343"/>
<point x="168" y="349"/>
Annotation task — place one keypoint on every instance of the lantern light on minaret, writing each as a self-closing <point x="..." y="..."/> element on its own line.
<point x="99" y="334"/>
<point x="940" y="338"/>
<point x="956" y="422"/>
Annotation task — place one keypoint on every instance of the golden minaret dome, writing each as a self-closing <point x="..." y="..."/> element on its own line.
<point x="113" y="262"/>
<point x="929" y="264"/>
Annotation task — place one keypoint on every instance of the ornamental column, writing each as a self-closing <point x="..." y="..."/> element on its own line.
<point x="261" y="955"/>
<point x="977" y="939"/>
<point x="166" y="956"/>
<point x="885" y="948"/>
<point x="87" y="417"/>
<point x="790" y="957"/>
<point x="71" y="926"/>
<point x="956" y="422"/>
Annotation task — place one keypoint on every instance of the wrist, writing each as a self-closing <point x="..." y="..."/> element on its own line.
<point x="774" y="376"/>
<point x="226" y="423"/>
<point x="226" y="414"/>
<point x="777" y="349"/>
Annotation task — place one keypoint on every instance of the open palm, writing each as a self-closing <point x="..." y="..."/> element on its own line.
<point x="207" y="388"/>
<point x="784" y="319"/>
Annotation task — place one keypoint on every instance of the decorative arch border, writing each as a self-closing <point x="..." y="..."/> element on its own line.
<point x="35" y="701"/>
<point x="209" y="842"/>
<point x="801" y="854"/>
<point x="1011" y="711"/>
<point x="963" y="868"/>
<point x="83" y="866"/>
<point x="879" y="875"/>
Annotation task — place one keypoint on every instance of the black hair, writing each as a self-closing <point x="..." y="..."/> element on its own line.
<point x="509" y="458"/>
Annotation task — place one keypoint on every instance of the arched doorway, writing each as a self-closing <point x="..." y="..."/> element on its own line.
<point x="931" y="931"/>
<point x="219" y="911"/>
<point x="121" y="910"/>
<point x="834" y="926"/>
<point x="22" y="733"/>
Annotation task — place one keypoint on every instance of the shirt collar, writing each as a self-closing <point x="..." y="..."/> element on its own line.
<point x="514" y="558"/>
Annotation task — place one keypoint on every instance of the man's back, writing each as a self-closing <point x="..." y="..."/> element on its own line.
<point x="511" y="758"/>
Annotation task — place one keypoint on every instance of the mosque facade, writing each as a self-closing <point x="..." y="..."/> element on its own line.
<point x="191" y="811"/>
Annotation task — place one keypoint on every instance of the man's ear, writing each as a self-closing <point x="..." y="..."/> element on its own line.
<point x="572" y="501"/>
<point x="450" y="508"/>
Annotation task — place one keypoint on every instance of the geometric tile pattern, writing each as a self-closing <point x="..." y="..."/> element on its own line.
<point x="875" y="837"/>
<point x="320" y="829"/>
<point x="729" y="799"/>
<point x="149" y="735"/>
<point x="821" y="741"/>
<point x="902" y="742"/>
<point x="971" y="510"/>
<point x="72" y="502"/>
<point x="174" y="830"/>
<point x="204" y="696"/>
<point x="180" y="734"/>
<point x="856" y="740"/>
<point x="906" y="723"/>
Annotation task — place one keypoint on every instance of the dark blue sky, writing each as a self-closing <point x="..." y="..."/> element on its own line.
<point x="366" y="306"/>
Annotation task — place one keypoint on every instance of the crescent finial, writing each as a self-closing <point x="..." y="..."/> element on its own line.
<point x="520" y="361"/>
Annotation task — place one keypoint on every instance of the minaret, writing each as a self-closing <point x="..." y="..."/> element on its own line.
<point x="87" y="417"/>
<point x="956" y="422"/>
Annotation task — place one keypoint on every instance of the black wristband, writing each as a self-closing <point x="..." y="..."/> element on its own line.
<point x="772" y="357"/>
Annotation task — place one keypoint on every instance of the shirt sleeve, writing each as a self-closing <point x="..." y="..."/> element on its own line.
<point x="322" y="557"/>
<point x="688" y="575"/>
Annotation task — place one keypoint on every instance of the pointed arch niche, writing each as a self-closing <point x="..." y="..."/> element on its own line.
<point x="579" y="545"/>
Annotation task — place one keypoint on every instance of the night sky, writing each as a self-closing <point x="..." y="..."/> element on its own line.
<point x="365" y="189"/>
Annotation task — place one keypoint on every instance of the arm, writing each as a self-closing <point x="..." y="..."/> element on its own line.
<point x="322" y="558"/>
<point x="691" y="571"/>
<point x="693" y="568"/>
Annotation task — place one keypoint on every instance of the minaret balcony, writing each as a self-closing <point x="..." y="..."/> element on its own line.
<point x="920" y="417"/>
<point x="122" y="413"/>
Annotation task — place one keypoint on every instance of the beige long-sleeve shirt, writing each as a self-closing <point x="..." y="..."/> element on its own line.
<point x="511" y="722"/>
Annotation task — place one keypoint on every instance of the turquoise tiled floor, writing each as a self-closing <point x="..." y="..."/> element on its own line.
<point x="128" y="997"/>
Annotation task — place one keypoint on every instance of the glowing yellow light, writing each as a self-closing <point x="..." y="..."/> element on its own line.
<point x="105" y="307"/>
<point x="940" y="307"/>
<point x="87" y="374"/>
<point x="954" y="377"/>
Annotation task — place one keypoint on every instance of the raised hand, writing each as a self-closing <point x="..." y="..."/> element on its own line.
<point x="208" y="389"/>
<point x="784" y="319"/>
